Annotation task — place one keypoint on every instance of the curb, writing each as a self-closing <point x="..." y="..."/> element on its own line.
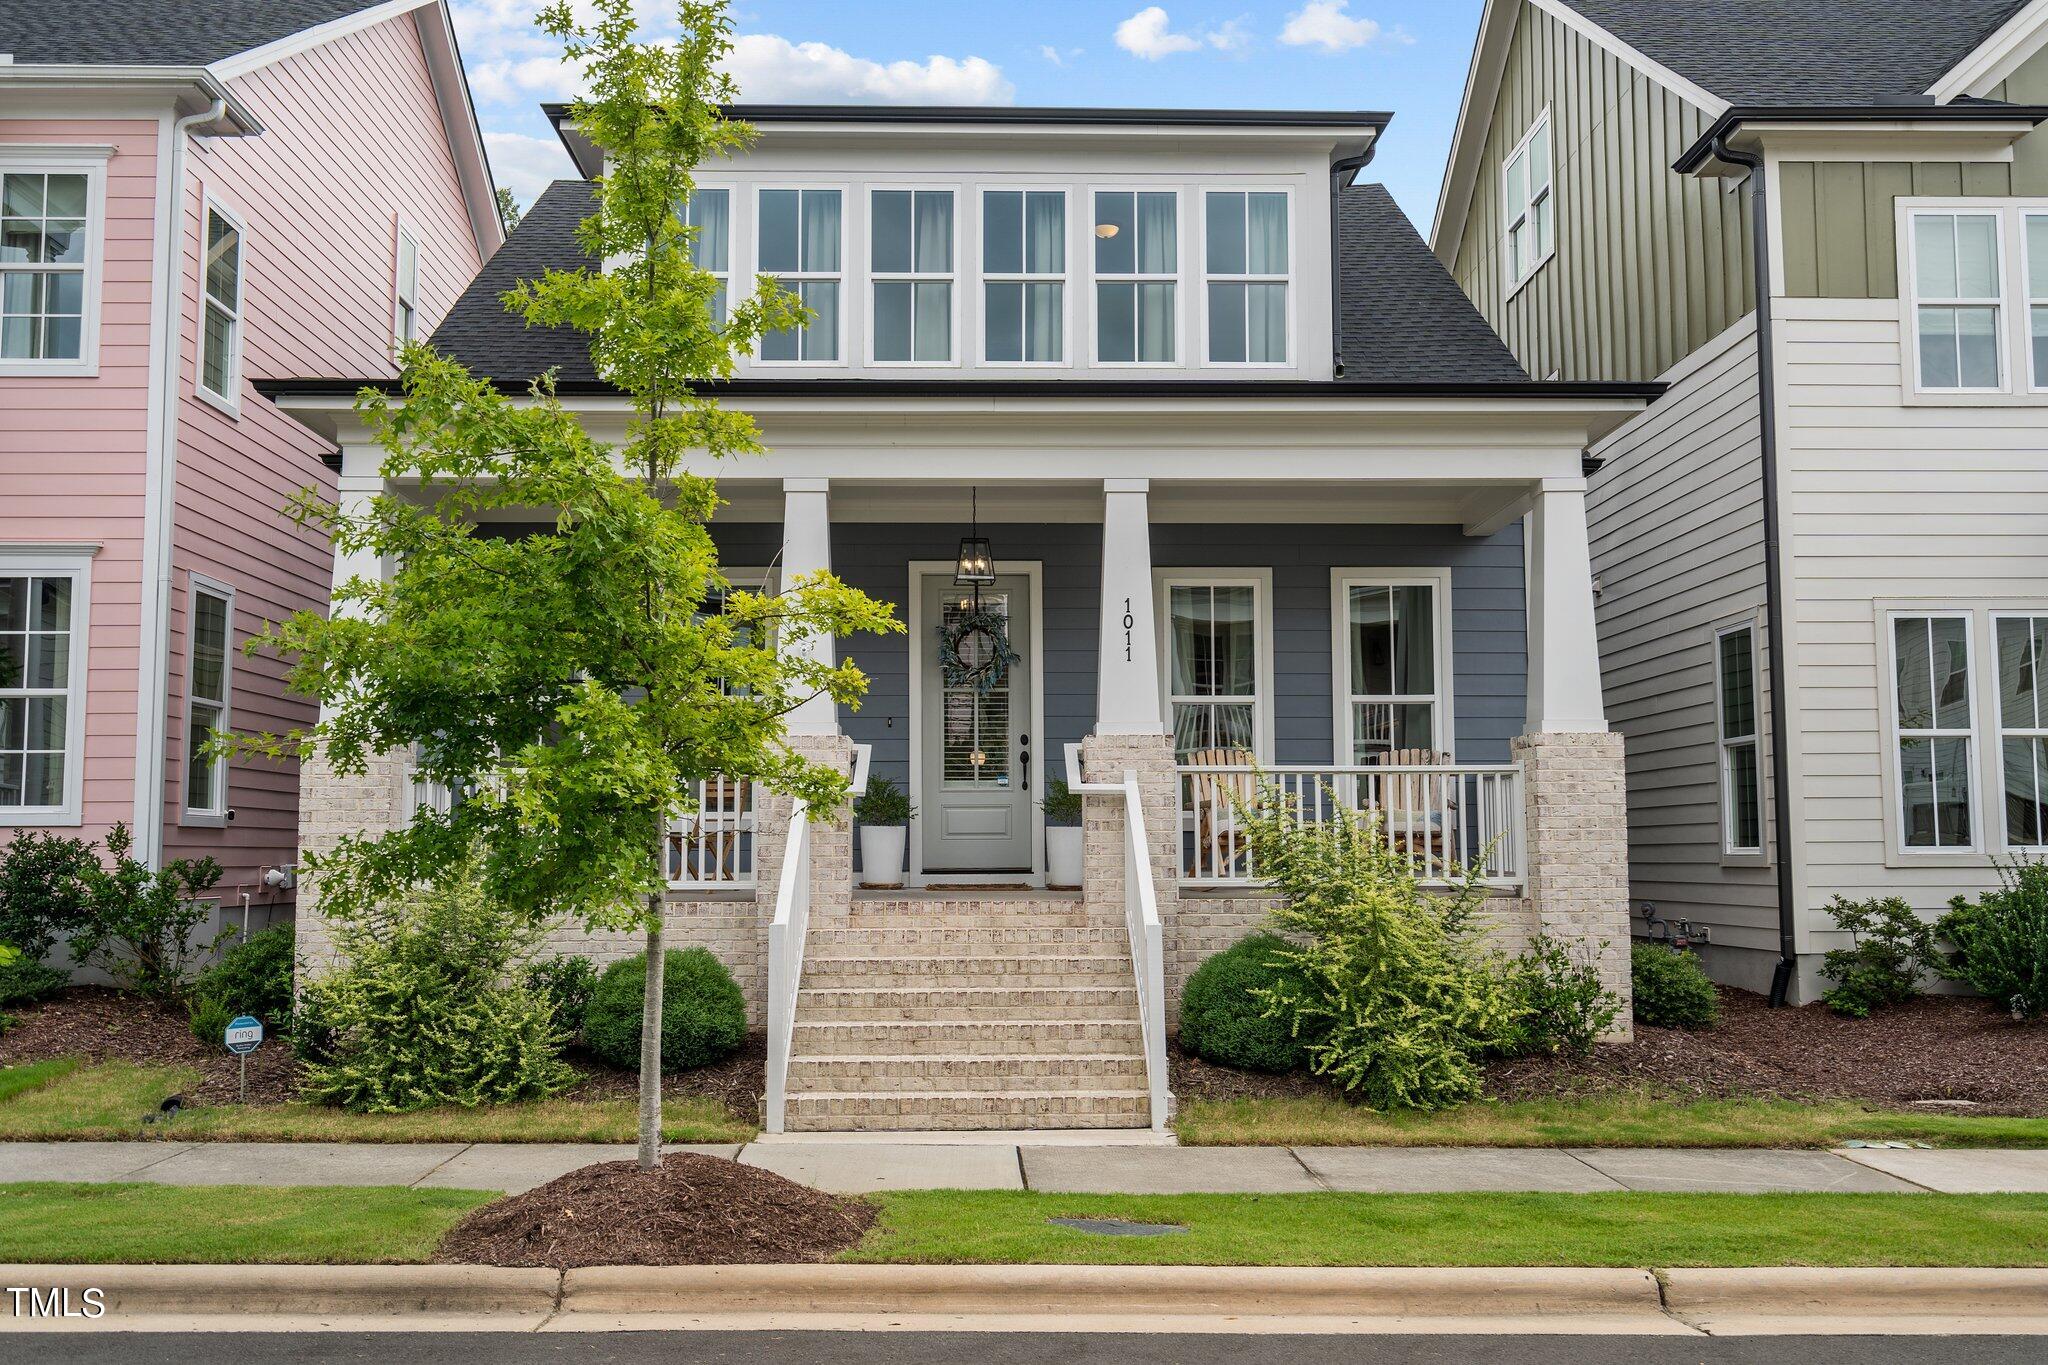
<point x="231" y="1294"/>
<point x="1796" y="1298"/>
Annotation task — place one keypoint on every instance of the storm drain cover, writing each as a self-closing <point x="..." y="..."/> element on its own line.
<point x="1118" y="1227"/>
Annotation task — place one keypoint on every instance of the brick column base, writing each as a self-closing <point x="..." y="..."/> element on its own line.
<point x="1106" y="758"/>
<point x="332" y="806"/>
<point x="831" y="836"/>
<point x="1576" y="821"/>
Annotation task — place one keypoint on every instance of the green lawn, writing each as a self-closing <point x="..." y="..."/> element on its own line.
<point x="1614" y="1120"/>
<point x="107" y="1101"/>
<point x="162" y="1224"/>
<point x="1655" y="1230"/>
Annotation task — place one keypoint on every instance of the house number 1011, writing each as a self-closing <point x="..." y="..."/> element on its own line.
<point x="1129" y="621"/>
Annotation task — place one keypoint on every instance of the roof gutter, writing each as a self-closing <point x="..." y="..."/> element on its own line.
<point x="1717" y="141"/>
<point x="230" y="114"/>
<point x="1774" y="588"/>
<point x="1342" y="173"/>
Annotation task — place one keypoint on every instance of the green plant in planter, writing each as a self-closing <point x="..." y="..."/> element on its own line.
<point x="1062" y="805"/>
<point x="883" y="804"/>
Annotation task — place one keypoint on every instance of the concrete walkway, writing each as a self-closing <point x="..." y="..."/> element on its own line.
<point x="1063" y="1166"/>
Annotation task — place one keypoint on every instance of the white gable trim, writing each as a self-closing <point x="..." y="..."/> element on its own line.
<point x="1997" y="57"/>
<point x="256" y="58"/>
<point x="1713" y="104"/>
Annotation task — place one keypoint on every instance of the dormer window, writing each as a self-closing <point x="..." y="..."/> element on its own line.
<point x="1024" y="269"/>
<point x="1526" y="204"/>
<point x="800" y="245"/>
<point x="1246" y="257"/>
<point x="1137" y="276"/>
<point x="910" y="248"/>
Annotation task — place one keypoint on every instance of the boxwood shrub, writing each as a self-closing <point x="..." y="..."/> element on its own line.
<point x="1672" y="989"/>
<point x="703" y="1014"/>
<point x="1222" y="1021"/>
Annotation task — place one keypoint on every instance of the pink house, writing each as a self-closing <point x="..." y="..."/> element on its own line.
<point x="194" y="198"/>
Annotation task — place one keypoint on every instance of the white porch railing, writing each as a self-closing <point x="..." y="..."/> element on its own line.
<point x="786" y="946"/>
<point x="1443" y="816"/>
<point x="1141" y="920"/>
<point x="711" y="848"/>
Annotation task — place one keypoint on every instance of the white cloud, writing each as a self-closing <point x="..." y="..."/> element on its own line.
<point x="770" y="68"/>
<point x="1324" y="24"/>
<point x="1145" y="34"/>
<point x="525" y="165"/>
<point x="1230" y="36"/>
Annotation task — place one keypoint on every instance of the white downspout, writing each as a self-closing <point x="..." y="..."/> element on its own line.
<point x="162" y="484"/>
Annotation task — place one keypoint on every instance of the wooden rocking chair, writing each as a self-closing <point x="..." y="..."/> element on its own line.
<point x="704" y="846"/>
<point x="1418" y="811"/>
<point x="1213" y="799"/>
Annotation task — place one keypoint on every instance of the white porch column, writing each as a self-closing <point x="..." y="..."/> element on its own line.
<point x="357" y="487"/>
<point x="1564" y="651"/>
<point x="807" y="548"/>
<point x="1127" y="661"/>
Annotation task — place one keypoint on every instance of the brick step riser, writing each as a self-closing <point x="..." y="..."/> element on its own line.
<point x="842" y="1038"/>
<point x="956" y="1014"/>
<point x="969" y="942"/>
<point x="970" y="919"/>
<point x="1023" y="973"/>
<point x="910" y="1113"/>
<point x="866" y="1075"/>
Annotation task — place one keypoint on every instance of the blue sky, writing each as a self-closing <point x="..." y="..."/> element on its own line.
<point x="1407" y="56"/>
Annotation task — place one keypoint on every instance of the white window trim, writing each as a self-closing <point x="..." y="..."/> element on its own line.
<point x="76" y="564"/>
<point x="841" y="276"/>
<point x="875" y="278"/>
<point x="1065" y="278"/>
<point x="732" y="229"/>
<point x="1998" y="731"/>
<point x="2014" y="335"/>
<point x="91" y="162"/>
<point x="1178" y="278"/>
<point x="1897" y="850"/>
<point x="1287" y="280"/>
<point x="196" y="584"/>
<point x="399" y="301"/>
<point x="231" y="401"/>
<point x="1527" y="207"/>
<point x="1733" y="854"/>
<point x="1443" y="725"/>
<point x="1260" y="581"/>
<point x="2023" y="357"/>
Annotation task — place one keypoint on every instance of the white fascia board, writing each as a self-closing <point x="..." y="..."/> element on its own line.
<point x="1997" y="57"/>
<point x="1900" y="139"/>
<point x="1482" y="87"/>
<point x="1713" y="105"/>
<point x="458" y="119"/>
<point x="198" y="86"/>
<point x="256" y="58"/>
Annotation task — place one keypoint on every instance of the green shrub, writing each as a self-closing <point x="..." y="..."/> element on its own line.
<point x="253" y="977"/>
<point x="42" y="889"/>
<point x="883" y="803"/>
<point x="565" y="982"/>
<point x="210" y="1016"/>
<point x="1891" y="947"/>
<point x="1391" y="987"/>
<point x="1671" y="988"/>
<point x="2001" y="940"/>
<point x="1564" y="1007"/>
<point x="1225" y="1019"/>
<point x="1062" y="804"/>
<point x="703" y="1014"/>
<point x="136" y="923"/>
<point x="23" y="981"/>
<point x="429" y="1008"/>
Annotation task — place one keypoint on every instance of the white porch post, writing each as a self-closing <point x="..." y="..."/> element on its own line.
<point x="1127" y="661"/>
<point x="1564" y="651"/>
<point x="807" y="548"/>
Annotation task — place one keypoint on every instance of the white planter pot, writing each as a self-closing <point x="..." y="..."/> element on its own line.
<point x="1063" y="855"/>
<point x="881" y="854"/>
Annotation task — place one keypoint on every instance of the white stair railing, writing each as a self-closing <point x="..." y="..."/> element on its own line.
<point x="1141" y="921"/>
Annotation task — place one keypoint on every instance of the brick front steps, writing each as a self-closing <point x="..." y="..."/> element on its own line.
<point x="1010" y="1012"/>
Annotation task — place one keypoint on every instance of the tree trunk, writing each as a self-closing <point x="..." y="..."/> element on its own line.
<point x="650" y="1041"/>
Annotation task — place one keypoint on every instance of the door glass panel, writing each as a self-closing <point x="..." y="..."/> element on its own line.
<point x="975" y="739"/>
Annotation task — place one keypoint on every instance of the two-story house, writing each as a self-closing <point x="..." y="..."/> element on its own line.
<point x="194" y="198"/>
<point x="1201" y="433"/>
<point x="1822" y="555"/>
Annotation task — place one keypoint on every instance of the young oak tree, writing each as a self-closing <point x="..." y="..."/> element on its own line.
<point x="575" y="679"/>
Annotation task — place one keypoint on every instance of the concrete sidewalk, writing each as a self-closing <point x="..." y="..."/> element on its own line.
<point x="1062" y="1166"/>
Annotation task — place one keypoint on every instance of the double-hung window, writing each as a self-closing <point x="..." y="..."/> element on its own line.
<point x="1137" y="276"/>
<point x="1526" y="206"/>
<point x="1246" y="256"/>
<point x="910" y="256"/>
<point x="2022" y="646"/>
<point x="220" y="329"/>
<point x="1024" y="272"/>
<point x="42" y="688"/>
<point x="1216" y="664"/>
<point x="211" y="667"/>
<point x="2037" y="296"/>
<point x="708" y="214"/>
<point x="1735" y="724"/>
<point x="799" y="244"/>
<point x="1933" y="730"/>
<point x="47" y="270"/>
<point x="1392" y="660"/>
<point x="1958" y="300"/>
<point x="405" y="325"/>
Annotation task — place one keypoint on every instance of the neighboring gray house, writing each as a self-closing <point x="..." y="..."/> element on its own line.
<point x="1230" y="527"/>
<point x="1822" y="601"/>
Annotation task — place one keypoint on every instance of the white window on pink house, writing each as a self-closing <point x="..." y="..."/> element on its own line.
<point x="405" y="324"/>
<point x="209" y="673"/>
<point x="48" y="265"/>
<point x="220" y="332"/>
<point x="43" y="601"/>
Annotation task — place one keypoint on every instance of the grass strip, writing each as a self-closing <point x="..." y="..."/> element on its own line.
<point x="107" y="1102"/>
<point x="43" y="1223"/>
<point x="1615" y="1120"/>
<point x="19" y="1080"/>
<point x="1009" y="1227"/>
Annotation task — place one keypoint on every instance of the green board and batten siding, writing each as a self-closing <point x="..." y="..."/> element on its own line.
<point x="1841" y="228"/>
<point x="1650" y="265"/>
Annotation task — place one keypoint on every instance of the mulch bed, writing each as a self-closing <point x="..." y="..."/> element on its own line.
<point x="738" y="1082"/>
<point x="693" y="1210"/>
<point x="1944" y="1048"/>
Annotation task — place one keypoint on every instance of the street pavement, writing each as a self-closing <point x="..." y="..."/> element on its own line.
<point x="1062" y="1167"/>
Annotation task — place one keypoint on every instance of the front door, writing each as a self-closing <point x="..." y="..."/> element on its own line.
<point x="980" y="769"/>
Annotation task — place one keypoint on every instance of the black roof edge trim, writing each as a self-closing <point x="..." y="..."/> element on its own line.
<point x="1043" y="388"/>
<point x="1973" y="111"/>
<point x="1052" y="114"/>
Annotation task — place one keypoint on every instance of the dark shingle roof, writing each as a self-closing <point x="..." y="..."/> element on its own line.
<point x="1404" y="319"/>
<point x="1803" y="52"/>
<point x="156" y="32"/>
